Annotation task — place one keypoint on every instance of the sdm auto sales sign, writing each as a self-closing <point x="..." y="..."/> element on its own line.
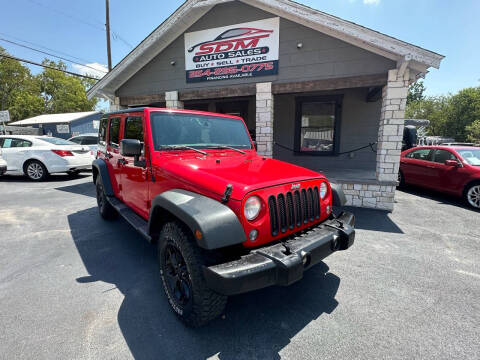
<point x="232" y="52"/>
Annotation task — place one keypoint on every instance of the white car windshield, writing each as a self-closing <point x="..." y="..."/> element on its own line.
<point x="471" y="156"/>
<point x="56" y="141"/>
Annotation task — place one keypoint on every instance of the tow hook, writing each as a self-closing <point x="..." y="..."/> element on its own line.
<point x="287" y="250"/>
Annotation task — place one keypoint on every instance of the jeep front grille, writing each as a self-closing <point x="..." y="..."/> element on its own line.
<point x="292" y="210"/>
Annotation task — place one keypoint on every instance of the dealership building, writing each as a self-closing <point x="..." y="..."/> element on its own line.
<point x="314" y="90"/>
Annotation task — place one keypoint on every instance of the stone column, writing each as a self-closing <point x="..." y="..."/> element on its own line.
<point x="264" y="119"/>
<point x="392" y="121"/>
<point x="172" y="102"/>
<point x="115" y="104"/>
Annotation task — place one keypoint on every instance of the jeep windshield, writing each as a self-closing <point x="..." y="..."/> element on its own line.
<point x="173" y="131"/>
<point x="471" y="156"/>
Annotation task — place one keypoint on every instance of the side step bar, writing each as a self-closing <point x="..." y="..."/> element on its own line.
<point x="139" y="223"/>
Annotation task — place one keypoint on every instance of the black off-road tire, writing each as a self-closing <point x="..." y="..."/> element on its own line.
<point x="205" y="304"/>
<point x="35" y="170"/>
<point x="106" y="210"/>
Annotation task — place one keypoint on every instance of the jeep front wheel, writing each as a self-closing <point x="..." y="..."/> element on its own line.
<point x="181" y="264"/>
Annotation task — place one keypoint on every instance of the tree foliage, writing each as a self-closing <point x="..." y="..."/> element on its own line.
<point x="456" y="116"/>
<point x="415" y="92"/>
<point x="473" y="131"/>
<point x="49" y="92"/>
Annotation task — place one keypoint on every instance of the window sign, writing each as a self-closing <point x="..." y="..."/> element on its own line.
<point x="63" y="129"/>
<point x="231" y="52"/>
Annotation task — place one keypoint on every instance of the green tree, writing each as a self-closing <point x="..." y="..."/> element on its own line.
<point x="62" y="92"/>
<point x="463" y="110"/>
<point x="416" y="92"/>
<point x="433" y="109"/>
<point x="473" y="132"/>
<point x="19" y="92"/>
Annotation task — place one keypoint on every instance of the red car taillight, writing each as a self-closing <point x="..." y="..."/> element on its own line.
<point x="63" y="153"/>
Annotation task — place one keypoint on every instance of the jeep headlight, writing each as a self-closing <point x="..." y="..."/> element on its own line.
<point x="323" y="189"/>
<point x="252" y="207"/>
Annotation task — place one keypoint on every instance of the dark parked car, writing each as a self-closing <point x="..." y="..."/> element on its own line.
<point x="450" y="169"/>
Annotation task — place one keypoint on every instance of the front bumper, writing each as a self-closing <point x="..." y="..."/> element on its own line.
<point x="282" y="263"/>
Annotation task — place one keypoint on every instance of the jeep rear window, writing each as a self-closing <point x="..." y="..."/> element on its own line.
<point x="197" y="131"/>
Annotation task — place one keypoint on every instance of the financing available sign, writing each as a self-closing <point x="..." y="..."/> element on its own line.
<point x="232" y="52"/>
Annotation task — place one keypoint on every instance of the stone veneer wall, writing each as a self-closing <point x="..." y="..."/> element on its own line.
<point x="369" y="195"/>
<point x="392" y="121"/>
<point x="264" y="119"/>
<point x="171" y="100"/>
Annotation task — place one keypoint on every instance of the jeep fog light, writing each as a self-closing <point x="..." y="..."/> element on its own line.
<point x="252" y="207"/>
<point x="253" y="235"/>
<point x="323" y="189"/>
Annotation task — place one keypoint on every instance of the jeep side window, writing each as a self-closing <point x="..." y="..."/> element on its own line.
<point x="134" y="128"/>
<point x="114" y="132"/>
<point x="102" y="132"/>
<point x="421" y="154"/>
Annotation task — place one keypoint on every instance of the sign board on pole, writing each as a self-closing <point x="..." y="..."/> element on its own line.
<point x="231" y="52"/>
<point x="4" y="116"/>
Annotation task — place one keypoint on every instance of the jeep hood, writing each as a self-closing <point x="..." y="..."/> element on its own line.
<point x="245" y="172"/>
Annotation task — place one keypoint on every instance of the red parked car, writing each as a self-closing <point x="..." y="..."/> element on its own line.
<point x="450" y="169"/>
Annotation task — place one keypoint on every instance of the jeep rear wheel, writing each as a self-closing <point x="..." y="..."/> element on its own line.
<point x="105" y="209"/>
<point x="181" y="264"/>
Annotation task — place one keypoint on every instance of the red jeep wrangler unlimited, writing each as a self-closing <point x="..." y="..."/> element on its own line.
<point x="225" y="220"/>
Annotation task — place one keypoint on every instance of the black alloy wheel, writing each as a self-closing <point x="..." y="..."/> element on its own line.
<point x="177" y="277"/>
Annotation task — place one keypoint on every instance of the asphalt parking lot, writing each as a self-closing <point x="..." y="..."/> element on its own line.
<point x="73" y="286"/>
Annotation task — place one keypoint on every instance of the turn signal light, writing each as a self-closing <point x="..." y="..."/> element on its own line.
<point x="63" y="153"/>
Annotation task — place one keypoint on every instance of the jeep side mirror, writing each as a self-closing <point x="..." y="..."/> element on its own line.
<point x="454" y="163"/>
<point x="131" y="147"/>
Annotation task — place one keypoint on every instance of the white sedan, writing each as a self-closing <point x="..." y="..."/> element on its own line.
<point x="3" y="164"/>
<point x="38" y="156"/>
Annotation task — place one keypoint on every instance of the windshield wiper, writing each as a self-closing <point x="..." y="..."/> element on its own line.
<point x="226" y="147"/>
<point x="182" y="147"/>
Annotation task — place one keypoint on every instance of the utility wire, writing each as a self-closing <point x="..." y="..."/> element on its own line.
<point x="46" y="66"/>
<point x="47" y="53"/>
<point x="51" y="8"/>
<point x="97" y="25"/>
<point x="46" y="48"/>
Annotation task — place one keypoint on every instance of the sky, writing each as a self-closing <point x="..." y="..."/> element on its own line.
<point x="75" y="30"/>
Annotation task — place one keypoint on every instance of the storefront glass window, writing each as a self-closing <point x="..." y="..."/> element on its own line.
<point x="318" y="125"/>
<point x="317" y="120"/>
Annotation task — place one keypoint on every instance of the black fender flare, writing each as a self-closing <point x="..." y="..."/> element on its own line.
<point x="99" y="168"/>
<point x="218" y="224"/>
<point x="338" y="197"/>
